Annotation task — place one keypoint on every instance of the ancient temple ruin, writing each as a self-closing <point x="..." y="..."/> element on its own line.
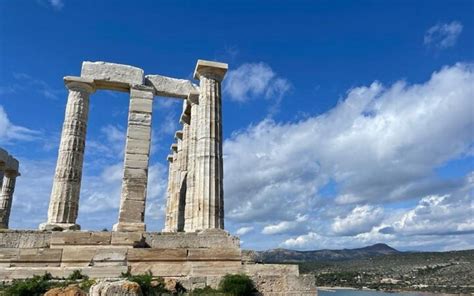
<point x="9" y="170"/>
<point x="193" y="247"/>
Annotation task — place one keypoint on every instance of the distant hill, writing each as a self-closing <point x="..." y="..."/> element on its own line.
<point x="285" y="255"/>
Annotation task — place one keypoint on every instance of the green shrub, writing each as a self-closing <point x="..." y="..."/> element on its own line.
<point x="149" y="285"/>
<point x="205" y="291"/>
<point x="236" y="285"/>
<point x="36" y="286"/>
<point x="77" y="275"/>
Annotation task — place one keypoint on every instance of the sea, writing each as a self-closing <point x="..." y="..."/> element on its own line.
<point x="350" y="292"/>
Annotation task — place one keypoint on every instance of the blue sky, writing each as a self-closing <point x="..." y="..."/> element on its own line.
<point x="346" y="123"/>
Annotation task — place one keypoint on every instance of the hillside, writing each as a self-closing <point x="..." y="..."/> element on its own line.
<point x="382" y="267"/>
<point x="285" y="255"/>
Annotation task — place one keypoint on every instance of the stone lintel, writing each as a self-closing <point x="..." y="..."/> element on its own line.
<point x="170" y="87"/>
<point x="217" y="69"/>
<point x="112" y="76"/>
<point x="178" y="135"/>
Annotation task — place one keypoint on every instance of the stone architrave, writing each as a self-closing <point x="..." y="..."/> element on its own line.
<point x="64" y="201"/>
<point x="7" y="189"/>
<point x="208" y="208"/>
<point x="137" y="152"/>
<point x="189" y="220"/>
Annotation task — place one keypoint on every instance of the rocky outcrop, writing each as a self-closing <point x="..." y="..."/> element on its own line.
<point x="72" y="290"/>
<point x="119" y="288"/>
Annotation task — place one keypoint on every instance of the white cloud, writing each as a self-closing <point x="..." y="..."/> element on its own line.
<point x="379" y="145"/>
<point x="10" y="132"/>
<point x="56" y="4"/>
<point x="285" y="226"/>
<point x="302" y="241"/>
<point x="254" y="80"/>
<point x="361" y="219"/>
<point x="244" y="230"/>
<point x="443" y="35"/>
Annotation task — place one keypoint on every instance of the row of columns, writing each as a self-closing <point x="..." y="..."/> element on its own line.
<point x="195" y="191"/>
<point x="9" y="171"/>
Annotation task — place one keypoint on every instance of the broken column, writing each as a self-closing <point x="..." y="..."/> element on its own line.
<point x="208" y="208"/>
<point x="64" y="201"/>
<point x="6" y="190"/>
<point x="137" y="152"/>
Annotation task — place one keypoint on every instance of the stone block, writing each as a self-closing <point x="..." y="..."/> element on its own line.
<point x="78" y="255"/>
<point x="38" y="257"/>
<point x="170" y="87"/>
<point x="131" y="173"/>
<point x="130" y="226"/>
<point x="137" y="146"/>
<point x="9" y="254"/>
<point x="127" y="238"/>
<point x="80" y="238"/>
<point x="132" y="210"/>
<point x="139" y="132"/>
<point x="134" y="191"/>
<point x="211" y="239"/>
<point x="139" y="118"/>
<point x="221" y="254"/>
<point x="24" y="239"/>
<point x="168" y="269"/>
<point x="136" y="160"/>
<point x="271" y="269"/>
<point x="112" y="76"/>
<point x="141" y="105"/>
<point x="214" y="268"/>
<point x="109" y="257"/>
<point x="156" y="255"/>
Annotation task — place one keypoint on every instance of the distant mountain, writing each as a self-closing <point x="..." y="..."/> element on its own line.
<point x="285" y="255"/>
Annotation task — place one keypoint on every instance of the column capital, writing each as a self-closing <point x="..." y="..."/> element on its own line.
<point x="178" y="135"/>
<point x="193" y="98"/>
<point x="210" y="69"/>
<point x="174" y="147"/>
<point x="185" y="119"/>
<point x="170" y="158"/>
<point x="79" y="84"/>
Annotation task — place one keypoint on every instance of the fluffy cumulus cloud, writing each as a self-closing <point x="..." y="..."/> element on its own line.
<point x="380" y="145"/>
<point x="254" y="80"/>
<point x="361" y="219"/>
<point x="244" y="230"/>
<point x="443" y="35"/>
<point x="10" y="132"/>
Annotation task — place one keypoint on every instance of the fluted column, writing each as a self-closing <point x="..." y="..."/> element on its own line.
<point x="64" y="200"/>
<point x="6" y="197"/>
<point x="208" y="187"/>
<point x="137" y="153"/>
<point x="173" y="189"/>
<point x="168" y="195"/>
<point x="189" y="215"/>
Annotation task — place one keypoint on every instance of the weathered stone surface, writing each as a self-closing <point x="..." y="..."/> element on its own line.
<point x="191" y="240"/>
<point x="271" y="269"/>
<point x="24" y="239"/>
<point x="112" y="76"/>
<point x="71" y="290"/>
<point x="81" y="238"/>
<point x="127" y="238"/>
<point x="142" y="255"/>
<point x="163" y="269"/>
<point x="38" y="257"/>
<point x="170" y="87"/>
<point x="220" y="254"/>
<point x="216" y="69"/>
<point x="110" y="257"/>
<point x="118" y="288"/>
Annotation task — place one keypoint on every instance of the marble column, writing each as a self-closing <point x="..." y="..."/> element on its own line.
<point x="168" y="194"/>
<point x="208" y="188"/>
<point x="137" y="153"/>
<point x="193" y="100"/>
<point x="64" y="200"/>
<point x="6" y="197"/>
<point x="173" y="189"/>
